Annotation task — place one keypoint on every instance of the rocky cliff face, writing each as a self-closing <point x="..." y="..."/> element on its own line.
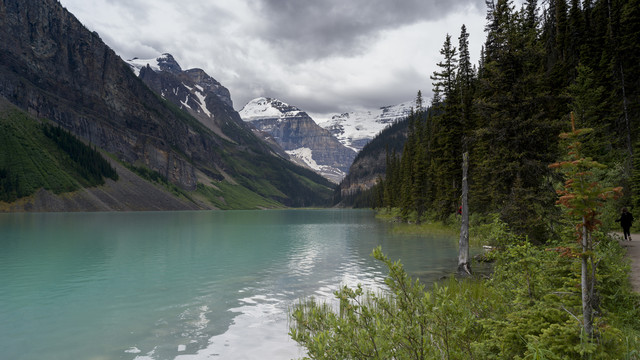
<point x="370" y="164"/>
<point x="296" y="132"/>
<point x="53" y="67"/>
<point x="193" y="91"/>
<point x="168" y="64"/>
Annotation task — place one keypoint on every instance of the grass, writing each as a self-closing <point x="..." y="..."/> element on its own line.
<point x="452" y="227"/>
<point x="227" y="196"/>
<point x="30" y="161"/>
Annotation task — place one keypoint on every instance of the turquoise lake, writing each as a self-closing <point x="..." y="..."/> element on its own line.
<point x="186" y="285"/>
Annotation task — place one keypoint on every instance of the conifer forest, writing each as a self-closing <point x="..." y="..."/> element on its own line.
<point x="548" y="120"/>
<point x="539" y="63"/>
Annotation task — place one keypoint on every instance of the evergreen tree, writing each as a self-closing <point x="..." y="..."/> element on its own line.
<point x="629" y="50"/>
<point x="532" y="69"/>
<point x="586" y="105"/>
<point x="444" y="80"/>
<point x="466" y="75"/>
<point x="582" y="195"/>
<point x="445" y="134"/>
<point x="530" y="15"/>
<point x="576" y="33"/>
<point x="561" y="30"/>
<point x="420" y="191"/>
<point x="510" y="152"/>
<point x="419" y="103"/>
<point x="635" y="178"/>
<point x="407" y="174"/>
<point x="465" y="70"/>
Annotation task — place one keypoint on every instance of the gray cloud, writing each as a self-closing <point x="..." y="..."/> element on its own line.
<point x="320" y="28"/>
<point x="324" y="56"/>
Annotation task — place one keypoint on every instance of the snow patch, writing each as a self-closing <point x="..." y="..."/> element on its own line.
<point x="201" y="100"/>
<point x="137" y="64"/>
<point x="268" y="108"/>
<point x="355" y="128"/>
<point x="133" y="350"/>
<point x="306" y="155"/>
<point x="185" y="102"/>
<point x="260" y="108"/>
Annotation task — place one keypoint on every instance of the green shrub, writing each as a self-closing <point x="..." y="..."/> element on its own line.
<point x="529" y="309"/>
<point x="404" y="323"/>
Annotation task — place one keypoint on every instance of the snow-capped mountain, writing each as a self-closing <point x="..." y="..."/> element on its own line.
<point x="296" y="132"/>
<point x="166" y="62"/>
<point x="192" y="90"/>
<point x="355" y="129"/>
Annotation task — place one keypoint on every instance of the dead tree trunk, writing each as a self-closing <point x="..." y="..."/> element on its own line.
<point x="464" y="265"/>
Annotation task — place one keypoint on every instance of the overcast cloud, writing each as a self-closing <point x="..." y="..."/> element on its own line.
<point x="323" y="56"/>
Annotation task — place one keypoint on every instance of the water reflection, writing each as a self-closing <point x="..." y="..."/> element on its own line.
<point x="185" y="285"/>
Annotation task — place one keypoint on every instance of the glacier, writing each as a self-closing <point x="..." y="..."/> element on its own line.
<point x="355" y="129"/>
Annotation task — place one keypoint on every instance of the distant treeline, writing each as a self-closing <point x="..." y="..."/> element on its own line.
<point x="90" y="163"/>
<point x="35" y="156"/>
<point x="10" y="186"/>
<point x="367" y="164"/>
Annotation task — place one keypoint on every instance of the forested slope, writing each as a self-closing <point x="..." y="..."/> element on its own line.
<point x="550" y="120"/>
<point x="355" y="190"/>
<point x="538" y="65"/>
<point x="39" y="155"/>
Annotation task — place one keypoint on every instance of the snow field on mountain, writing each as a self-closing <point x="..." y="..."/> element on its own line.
<point x="350" y="127"/>
<point x="260" y="108"/>
<point x="306" y="155"/>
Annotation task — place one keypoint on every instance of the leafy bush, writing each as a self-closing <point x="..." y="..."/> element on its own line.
<point x="404" y="323"/>
<point x="529" y="309"/>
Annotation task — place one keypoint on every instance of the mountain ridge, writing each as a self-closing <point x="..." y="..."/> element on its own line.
<point x="50" y="180"/>
<point x="54" y="68"/>
<point x="299" y="135"/>
<point x="356" y="128"/>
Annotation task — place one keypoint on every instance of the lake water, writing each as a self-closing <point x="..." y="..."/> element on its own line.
<point x="185" y="285"/>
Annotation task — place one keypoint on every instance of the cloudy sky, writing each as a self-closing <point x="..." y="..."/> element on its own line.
<point x="323" y="56"/>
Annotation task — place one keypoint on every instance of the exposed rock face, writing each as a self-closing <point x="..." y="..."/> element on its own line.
<point x="193" y="91"/>
<point x="167" y="63"/>
<point x="53" y="67"/>
<point x="296" y="132"/>
<point x="370" y="163"/>
<point x="129" y="193"/>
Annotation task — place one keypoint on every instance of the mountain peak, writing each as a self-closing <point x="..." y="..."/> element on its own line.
<point x="166" y="62"/>
<point x="268" y="108"/>
<point x="197" y="81"/>
<point x="299" y="135"/>
<point x="163" y="62"/>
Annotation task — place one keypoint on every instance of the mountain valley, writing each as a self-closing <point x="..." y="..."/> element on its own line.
<point x="53" y="68"/>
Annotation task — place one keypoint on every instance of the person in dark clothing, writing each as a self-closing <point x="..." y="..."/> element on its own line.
<point x="626" y="220"/>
